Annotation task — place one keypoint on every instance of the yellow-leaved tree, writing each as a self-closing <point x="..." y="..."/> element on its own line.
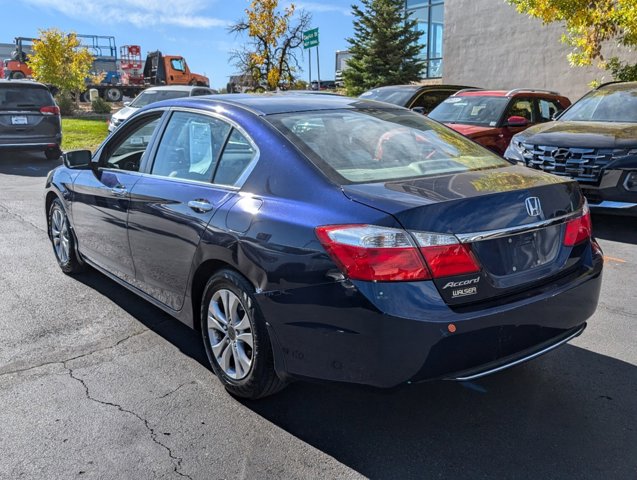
<point x="60" y="60"/>
<point x="590" y="23"/>
<point x="270" y="56"/>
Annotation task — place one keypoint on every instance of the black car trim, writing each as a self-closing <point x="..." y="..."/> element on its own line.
<point x="517" y="359"/>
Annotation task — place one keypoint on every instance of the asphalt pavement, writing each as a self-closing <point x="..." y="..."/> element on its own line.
<point x="96" y="383"/>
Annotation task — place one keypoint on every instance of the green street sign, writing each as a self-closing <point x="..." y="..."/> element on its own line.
<point x="310" y="38"/>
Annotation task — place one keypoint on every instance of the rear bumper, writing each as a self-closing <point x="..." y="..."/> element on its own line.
<point x="31" y="143"/>
<point x="386" y="334"/>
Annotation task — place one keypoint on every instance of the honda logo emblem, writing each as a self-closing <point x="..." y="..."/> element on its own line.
<point x="533" y="206"/>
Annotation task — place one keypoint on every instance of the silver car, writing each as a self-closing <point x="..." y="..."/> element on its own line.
<point x="29" y="118"/>
<point x="152" y="95"/>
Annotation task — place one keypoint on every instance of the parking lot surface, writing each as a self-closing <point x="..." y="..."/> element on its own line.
<point x="97" y="383"/>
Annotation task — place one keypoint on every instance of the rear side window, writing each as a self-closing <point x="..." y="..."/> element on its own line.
<point x="236" y="160"/>
<point x="12" y="98"/>
<point x="356" y="146"/>
<point x="431" y="99"/>
<point x="548" y="109"/>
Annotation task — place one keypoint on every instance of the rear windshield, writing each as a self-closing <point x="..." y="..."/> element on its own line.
<point x="12" y="98"/>
<point x="396" y="96"/>
<point x="152" y="96"/>
<point x="372" y="145"/>
<point x="470" y="110"/>
<point x="604" y="106"/>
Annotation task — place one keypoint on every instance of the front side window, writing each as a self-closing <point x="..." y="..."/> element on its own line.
<point x="129" y="148"/>
<point x="177" y="64"/>
<point x="431" y="99"/>
<point x="368" y="145"/>
<point x="470" y="110"/>
<point x="606" y="105"/>
<point x="190" y="147"/>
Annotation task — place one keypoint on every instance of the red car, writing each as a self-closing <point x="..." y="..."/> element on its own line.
<point x="492" y="117"/>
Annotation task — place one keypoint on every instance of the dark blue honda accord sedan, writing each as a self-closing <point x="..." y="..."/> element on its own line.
<point x="329" y="238"/>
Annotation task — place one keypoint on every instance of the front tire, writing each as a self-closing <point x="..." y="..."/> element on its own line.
<point x="63" y="240"/>
<point x="236" y="338"/>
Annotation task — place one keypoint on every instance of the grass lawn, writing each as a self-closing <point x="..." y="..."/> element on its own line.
<point x="83" y="134"/>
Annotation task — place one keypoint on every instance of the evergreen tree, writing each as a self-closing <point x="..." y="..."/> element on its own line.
<point x="385" y="47"/>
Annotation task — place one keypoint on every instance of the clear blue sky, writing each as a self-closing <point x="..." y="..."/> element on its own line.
<point x="196" y="29"/>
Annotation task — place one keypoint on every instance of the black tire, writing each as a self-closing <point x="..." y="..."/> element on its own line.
<point x="70" y="264"/>
<point x="17" y="76"/>
<point x="113" y="94"/>
<point x="53" y="153"/>
<point x="261" y="379"/>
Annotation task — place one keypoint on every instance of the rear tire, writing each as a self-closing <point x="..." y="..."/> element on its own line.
<point x="53" y="153"/>
<point x="236" y="338"/>
<point x="17" y="75"/>
<point x="63" y="240"/>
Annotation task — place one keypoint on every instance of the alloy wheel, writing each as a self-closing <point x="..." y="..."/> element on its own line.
<point x="60" y="235"/>
<point x="230" y="334"/>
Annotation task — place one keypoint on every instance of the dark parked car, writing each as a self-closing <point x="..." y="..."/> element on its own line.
<point x="29" y="118"/>
<point x="593" y="142"/>
<point x="421" y="98"/>
<point x="492" y="117"/>
<point x="328" y="237"/>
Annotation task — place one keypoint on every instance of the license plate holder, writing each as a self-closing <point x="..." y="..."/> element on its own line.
<point x="19" y="120"/>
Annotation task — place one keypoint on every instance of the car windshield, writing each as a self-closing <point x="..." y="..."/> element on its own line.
<point x="374" y="145"/>
<point x="152" y="96"/>
<point x="604" y="106"/>
<point x="390" y="95"/>
<point x="470" y="110"/>
<point x="12" y="98"/>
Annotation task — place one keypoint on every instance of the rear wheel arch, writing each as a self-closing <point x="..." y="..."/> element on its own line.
<point x="199" y="280"/>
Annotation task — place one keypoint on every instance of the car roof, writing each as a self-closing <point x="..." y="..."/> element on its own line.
<point x="476" y="92"/>
<point x="177" y="88"/>
<point x="271" y="104"/>
<point x="413" y="88"/>
<point x="618" y="86"/>
<point x="22" y="83"/>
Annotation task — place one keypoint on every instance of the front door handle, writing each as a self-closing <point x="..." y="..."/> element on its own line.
<point x="200" y="206"/>
<point x="119" y="190"/>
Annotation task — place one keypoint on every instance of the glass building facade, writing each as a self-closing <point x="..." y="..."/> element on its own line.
<point x="430" y="17"/>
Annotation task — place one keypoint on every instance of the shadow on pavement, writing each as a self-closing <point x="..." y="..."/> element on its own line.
<point x="616" y="228"/>
<point x="26" y="164"/>
<point x="563" y="416"/>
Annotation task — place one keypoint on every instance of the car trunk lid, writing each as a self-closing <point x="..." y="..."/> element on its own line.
<point x="512" y="219"/>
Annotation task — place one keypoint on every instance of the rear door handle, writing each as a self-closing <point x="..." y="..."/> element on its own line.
<point x="119" y="190"/>
<point x="200" y="206"/>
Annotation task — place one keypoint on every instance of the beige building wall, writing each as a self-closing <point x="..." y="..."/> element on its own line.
<point x="488" y="44"/>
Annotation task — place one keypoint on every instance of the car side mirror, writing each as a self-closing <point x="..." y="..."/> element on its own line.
<point x="77" y="159"/>
<point x="420" y="110"/>
<point x="516" y="121"/>
<point x="126" y="104"/>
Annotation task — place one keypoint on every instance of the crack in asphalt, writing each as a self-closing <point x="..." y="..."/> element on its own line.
<point x="21" y="218"/>
<point x="151" y="430"/>
<point x="174" y="390"/>
<point x="64" y="362"/>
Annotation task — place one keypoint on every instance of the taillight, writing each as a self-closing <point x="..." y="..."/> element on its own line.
<point x="368" y="252"/>
<point x="445" y="255"/>
<point x="52" y="110"/>
<point x="579" y="229"/>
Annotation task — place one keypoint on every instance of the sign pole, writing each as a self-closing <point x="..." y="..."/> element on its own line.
<point x="309" y="52"/>
<point x="318" y="67"/>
